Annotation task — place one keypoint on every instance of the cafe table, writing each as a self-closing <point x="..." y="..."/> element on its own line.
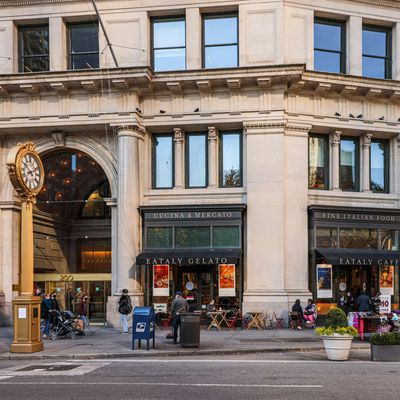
<point x="255" y="320"/>
<point x="217" y="319"/>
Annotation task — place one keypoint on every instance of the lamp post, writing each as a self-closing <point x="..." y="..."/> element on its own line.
<point x="26" y="173"/>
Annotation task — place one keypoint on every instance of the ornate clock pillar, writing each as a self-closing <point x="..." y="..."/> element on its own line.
<point x="26" y="174"/>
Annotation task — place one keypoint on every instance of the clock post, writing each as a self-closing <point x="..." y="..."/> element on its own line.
<point x="26" y="174"/>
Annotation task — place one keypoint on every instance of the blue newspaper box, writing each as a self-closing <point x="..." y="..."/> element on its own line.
<point x="143" y="325"/>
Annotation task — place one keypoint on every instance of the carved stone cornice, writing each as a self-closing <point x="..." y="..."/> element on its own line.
<point x="178" y="134"/>
<point x="294" y="126"/>
<point x="264" y="124"/>
<point x="335" y="138"/>
<point x="366" y="140"/>
<point x="135" y="130"/>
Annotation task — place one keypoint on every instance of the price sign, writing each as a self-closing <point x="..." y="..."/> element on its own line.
<point x="386" y="304"/>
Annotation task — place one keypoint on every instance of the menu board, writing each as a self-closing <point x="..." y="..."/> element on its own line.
<point x="324" y="281"/>
<point x="160" y="280"/>
<point x="226" y="280"/>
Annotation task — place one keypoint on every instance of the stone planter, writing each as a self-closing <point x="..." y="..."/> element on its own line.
<point x="337" y="347"/>
<point x="385" y="353"/>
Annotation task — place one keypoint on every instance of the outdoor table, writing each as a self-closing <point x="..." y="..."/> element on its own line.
<point x="255" y="320"/>
<point x="217" y="317"/>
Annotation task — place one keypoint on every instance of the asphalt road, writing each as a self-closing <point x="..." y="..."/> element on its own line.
<point x="261" y="376"/>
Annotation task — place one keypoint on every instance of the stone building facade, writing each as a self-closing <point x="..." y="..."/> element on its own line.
<point x="255" y="69"/>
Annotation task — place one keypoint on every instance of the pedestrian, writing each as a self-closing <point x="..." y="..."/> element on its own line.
<point x="54" y="310"/>
<point x="296" y="308"/>
<point x="179" y="306"/>
<point x="45" y="313"/>
<point x="349" y="304"/>
<point x="124" y="309"/>
<point x="363" y="302"/>
<point x="82" y="310"/>
<point x="310" y="313"/>
<point x="376" y="303"/>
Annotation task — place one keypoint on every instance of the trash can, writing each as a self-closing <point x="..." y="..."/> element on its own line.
<point x="190" y="330"/>
<point x="143" y="326"/>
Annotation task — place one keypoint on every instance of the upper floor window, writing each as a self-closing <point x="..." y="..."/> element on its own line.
<point x="230" y="159"/>
<point x="83" y="46"/>
<point x="220" y="41"/>
<point x="196" y="160"/>
<point x="376" y="52"/>
<point x="163" y="160"/>
<point x="329" y="46"/>
<point x="348" y="171"/>
<point x="318" y="154"/>
<point x="168" y="44"/>
<point x="33" y="44"/>
<point x="379" y="173"/>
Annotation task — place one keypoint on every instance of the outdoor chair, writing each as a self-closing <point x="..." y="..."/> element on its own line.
<point x="295" y="320"/>
<point x="268" y="321"/>
<point x="280" y="322"/>
<point x="233" y="319"/>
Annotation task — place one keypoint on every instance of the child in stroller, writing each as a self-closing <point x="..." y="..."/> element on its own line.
<point x="64" y="325"/>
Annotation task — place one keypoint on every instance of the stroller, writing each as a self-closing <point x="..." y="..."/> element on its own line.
<point x="64" y="325"/>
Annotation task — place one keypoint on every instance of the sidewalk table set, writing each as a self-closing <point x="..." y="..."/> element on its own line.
<point x="217" y="319"/>
<point x="255" y="320"/>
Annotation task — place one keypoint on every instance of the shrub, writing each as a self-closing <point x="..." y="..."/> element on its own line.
<point x="341" y="330"/>
<point x="336" y="318"/>
<point x="386" y="339"/>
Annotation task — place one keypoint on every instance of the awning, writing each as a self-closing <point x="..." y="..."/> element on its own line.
<point x="189" y="257"/>
<point x="357" y="257"/>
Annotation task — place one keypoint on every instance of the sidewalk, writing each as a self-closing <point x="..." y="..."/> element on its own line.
<point x="109" y="343"/>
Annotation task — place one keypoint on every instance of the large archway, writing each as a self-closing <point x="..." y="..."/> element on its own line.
<point x="72" y="232"/>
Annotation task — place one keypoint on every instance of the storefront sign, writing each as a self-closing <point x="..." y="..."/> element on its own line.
<point x="160" y="307"/>
<point x="192" y="215"/>
<point x="356" y="217"/>
<point x="160" y="280"/>
<point x="386" y="304"/>
<point x="226" y="274"/>
<point x="368" y="261"/>
<point x="386" y="280"/>
<point x="324" y="281"/>
<point x="186" y="260"/>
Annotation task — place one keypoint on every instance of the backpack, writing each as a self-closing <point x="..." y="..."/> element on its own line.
<point x="125" y="306"/>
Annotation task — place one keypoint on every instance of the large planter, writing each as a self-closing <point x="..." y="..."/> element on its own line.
<point x="337" y="346"/>
<point x="385" y="353"/>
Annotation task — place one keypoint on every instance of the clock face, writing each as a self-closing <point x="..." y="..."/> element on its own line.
<point x="30" y="171"/>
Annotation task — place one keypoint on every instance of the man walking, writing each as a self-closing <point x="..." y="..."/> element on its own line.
<point x="124" y="309"/>
<point x="179" y="306"/>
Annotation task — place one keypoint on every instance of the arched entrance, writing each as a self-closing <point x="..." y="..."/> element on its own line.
<point x="72" y="232"/>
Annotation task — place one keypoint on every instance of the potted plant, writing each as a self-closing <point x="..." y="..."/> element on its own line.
<point x="337" y="335"/>
<point x="385" y="346"/>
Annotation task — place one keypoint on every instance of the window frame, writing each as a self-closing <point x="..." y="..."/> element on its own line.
<point x="389" y="54"/>
<point x="187" y="159"/>
<point x="153" y="49"/>
<point x="386" y="165"/>
<point x="153" y="161"/>
<point x="21" y="57"/>
<point x="221" y="157"/>
<point x="71" y="55"/>
<point x="343" y="52"/>
<point x="357" y="162"/>
<point x="203" y="31"/>
<point x="326" y="157"/>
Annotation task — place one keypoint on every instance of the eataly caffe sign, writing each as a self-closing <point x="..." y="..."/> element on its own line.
<point x="368" y="261"/>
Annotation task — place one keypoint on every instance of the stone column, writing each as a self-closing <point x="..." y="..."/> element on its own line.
<point x="396" y="51"/>
<point x="112" y="203"/>
<point x="212" y="158"/>
<point x="366" y="147"/>
<point x="354" y="46"/>
<point x="58" y="44"/>
<point x="193" y="33"/>
<point x="335" y="148"/>
<point x="179" y="159"/>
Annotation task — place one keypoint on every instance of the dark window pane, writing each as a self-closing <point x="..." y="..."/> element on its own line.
<point x="163" y="162"/>
<point x="221" y="57"/>
<point x="326" y="238"/>
<point x="197" y="159"/>
<point x="159" y="238"/>
<point x="327" y="62"/>
<point x="226" y="236"/>
<point x="190" y="237"/>
<point x="374" y="43"/>
<point x="168" y="33"/>
<point x="84" y="38"/>
<point x="389" y="239"/>
<point x="169" y="60"/>
<point x="231" y="159"/>
<point x="317" y="167"/>
<point x="85" y="61"/>
<point x="348" y="164"/>
<point x="327" y="36"/>
<point x="35" y="41"/>
<point x="374" y="67"/>
<point x="220" y="30"/>
<point x="351" y="238"/>
<point x="35" y="64"/>
<point x="378" y="166"/>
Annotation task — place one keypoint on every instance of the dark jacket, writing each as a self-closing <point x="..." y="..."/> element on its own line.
<point x="45" y="308"/>
<point x="124" y="304"/>
<point x="179" y="306"/>
<point x="82" y="308"/>
<point x="297" y="308"/>
<point x="363" y="302"/>
<point x="54" y="304"/>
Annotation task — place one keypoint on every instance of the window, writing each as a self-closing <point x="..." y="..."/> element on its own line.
<point x="326" y="237"/>
<point x="168" y="44"/>
<point x="158" y="238"/>
<point x="231" y="159"/>
<point x="226" y="237"/>
<point x="379" y="171"/>
<point x="33" y="48"/>
<point x="83" y="46"/>
<point x="318" y="153"/>
<point x="377" y="54"/>
<point x="220" y="41"/>
<point x="163" y="162"/>
<point x="329" y="46"/>
<point x="196" y="160"/>
<point x="348" y="171"/>
<point x="388" y="239"/>
<point x="192" y="237"/>
<point x="358" y="238"/>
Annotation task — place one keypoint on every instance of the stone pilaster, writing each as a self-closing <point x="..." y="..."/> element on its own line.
<point x="179" y="159"/>
<point x="335" y="149"/>
<point x="354" y="45"/>
<point x="366" y="148"/>
<point x="212" y="157"/>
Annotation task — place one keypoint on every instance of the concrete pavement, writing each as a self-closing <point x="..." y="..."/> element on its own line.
<point x="109" y="343"/>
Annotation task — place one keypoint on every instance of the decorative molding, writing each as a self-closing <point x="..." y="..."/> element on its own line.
<point x="335" y="138"/>
<point x="366" y="140"/>
<point x="212" y="133"/>
<point x="264" y="124"/>
<point x="294" y="126"/>
<point x="135" y="130"/>
<point x="178" y="134"/>
<point x="59" y="138"/>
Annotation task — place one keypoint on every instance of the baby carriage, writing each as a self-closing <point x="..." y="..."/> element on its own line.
<point x="64" y="326"/>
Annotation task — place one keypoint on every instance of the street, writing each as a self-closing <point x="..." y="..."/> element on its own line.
<point x="259" y="376"/>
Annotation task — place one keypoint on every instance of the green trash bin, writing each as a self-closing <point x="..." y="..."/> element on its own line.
<point x="190" y="330"/>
